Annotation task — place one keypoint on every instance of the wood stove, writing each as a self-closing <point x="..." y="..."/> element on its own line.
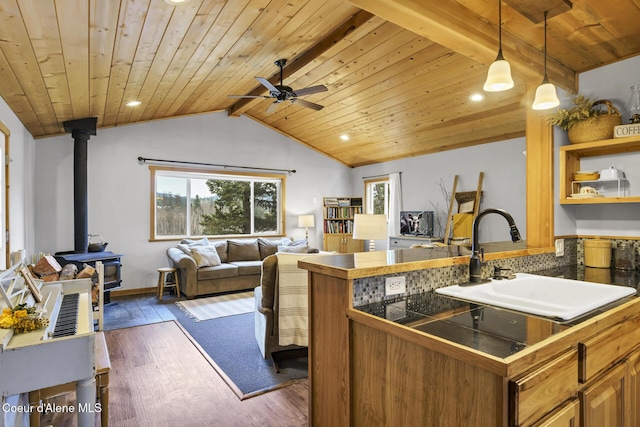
<point x="81" y="130"/>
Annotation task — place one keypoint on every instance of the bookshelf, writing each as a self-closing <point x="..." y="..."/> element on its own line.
<point x="338" y="213"/>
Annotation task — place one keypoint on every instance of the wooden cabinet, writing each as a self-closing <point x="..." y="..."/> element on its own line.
<point x="338" y="213"/>
<point x="532" y="395"/>
<point x="570" y="156"/>
<point x="603" y="403"/>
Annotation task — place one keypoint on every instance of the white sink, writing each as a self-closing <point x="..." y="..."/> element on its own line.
<point x="545" y="296"/>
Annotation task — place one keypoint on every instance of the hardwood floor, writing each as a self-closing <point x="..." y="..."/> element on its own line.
<point x="159" y="378"/>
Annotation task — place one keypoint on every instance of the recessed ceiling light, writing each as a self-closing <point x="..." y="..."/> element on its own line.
<point x="176" y="2"/>
<point x="133" y="103"/>
<point x="476" y="97"/>
<point x="344" y="137"/>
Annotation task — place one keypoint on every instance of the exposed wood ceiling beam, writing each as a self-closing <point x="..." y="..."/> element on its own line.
<point x="301" y="61"/>
<point x="452" y="25"/>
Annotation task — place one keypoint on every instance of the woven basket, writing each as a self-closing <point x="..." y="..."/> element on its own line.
<point x="596" y="128"/>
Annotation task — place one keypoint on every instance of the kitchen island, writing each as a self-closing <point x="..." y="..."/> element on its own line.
<point x="419" y="360"/>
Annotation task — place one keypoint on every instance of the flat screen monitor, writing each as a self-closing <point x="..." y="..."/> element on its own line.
<point x="416" y="223"/>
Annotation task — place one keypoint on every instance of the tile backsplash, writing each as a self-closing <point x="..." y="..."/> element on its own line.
<point x="372" y="289"/>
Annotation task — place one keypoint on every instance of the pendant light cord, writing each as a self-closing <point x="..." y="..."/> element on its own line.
<point x="545" y="46"/>
<point x="500" y="25"/>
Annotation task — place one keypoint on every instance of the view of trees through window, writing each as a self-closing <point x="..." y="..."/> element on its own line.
<point x="216" y="205"/>
<point x="377" y="196"/>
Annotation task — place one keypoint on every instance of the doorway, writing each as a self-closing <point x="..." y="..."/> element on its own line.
<point x="4" y="197"/>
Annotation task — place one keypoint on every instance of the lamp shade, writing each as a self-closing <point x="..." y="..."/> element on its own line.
<point x="499" y="76"/>
<point x="546" y="97"/>
<point x="369" y="227"/>
<point x="306" y="221"/>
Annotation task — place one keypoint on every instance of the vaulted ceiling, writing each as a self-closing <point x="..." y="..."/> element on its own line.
<point x="399" y="73"/>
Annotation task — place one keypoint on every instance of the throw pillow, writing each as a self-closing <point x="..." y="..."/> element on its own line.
<point x="293" y="249"/>
<point x="185" y="248"/>
<point x="221" y="247"/>
<point x="202" y="242"/>
<point x="300" y="242"/>
<point x="243" y="250"/>
<point x="205" y="256"/>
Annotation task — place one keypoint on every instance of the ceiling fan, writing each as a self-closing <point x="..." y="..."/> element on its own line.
<point x="282" y="93"/>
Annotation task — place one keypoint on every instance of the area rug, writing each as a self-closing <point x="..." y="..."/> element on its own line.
<point x="231" y="345"/>
<point x="219" y="306"/>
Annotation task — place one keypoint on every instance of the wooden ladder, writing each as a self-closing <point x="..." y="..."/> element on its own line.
<point x="463" y="198"/>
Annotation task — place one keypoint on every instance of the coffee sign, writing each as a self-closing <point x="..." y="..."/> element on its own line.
<point x="623" y="131"/>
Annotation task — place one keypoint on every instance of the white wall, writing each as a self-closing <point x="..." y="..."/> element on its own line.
<point x="21" y="153"/>
<point x="612" y="82"/>
<point x="118" y="186"/>
<point x="503" y="164"/>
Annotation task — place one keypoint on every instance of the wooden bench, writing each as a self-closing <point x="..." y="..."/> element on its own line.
<point x="103" y="366"/>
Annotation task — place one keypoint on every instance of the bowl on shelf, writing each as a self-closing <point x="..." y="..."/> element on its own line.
<point x="586" y="176"/>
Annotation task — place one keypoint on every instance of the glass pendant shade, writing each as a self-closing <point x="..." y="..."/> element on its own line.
<point x="546" y="97"/>
<point x="499" y="76"/>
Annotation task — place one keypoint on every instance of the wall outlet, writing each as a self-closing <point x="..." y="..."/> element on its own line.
<point x="559" y="247"/>
<point x="395" y="285"/>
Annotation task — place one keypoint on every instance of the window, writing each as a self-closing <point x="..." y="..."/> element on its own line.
<point x="377" y="196"/>
<point x="194" y="204"/>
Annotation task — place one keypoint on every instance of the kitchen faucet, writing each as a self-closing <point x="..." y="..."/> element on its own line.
<point x="477" y="253"/>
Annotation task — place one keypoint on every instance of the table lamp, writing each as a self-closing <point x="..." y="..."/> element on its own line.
<point x="306" y="221"/>
<point x="370" y="227"/>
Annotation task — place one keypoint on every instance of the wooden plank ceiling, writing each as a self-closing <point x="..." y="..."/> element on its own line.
<point x="399" y="73"/>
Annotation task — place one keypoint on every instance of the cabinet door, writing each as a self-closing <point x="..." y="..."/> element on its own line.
<point x="352" y="246"/>
<point x="566" y="416"/>
<point x="603" y="402"/>
<point x="333" y="242"/>
<point x="633" y="374"/>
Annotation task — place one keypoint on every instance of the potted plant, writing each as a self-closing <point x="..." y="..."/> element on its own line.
<point x="585" y="121"/>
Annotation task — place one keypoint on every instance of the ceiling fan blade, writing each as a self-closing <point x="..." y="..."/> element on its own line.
<point x="273" y="107"/>
<point x="266" y="83"/>
<point x="247" y="96"/>
<point x="308" y="104"/>
<point x="310" y="90"/>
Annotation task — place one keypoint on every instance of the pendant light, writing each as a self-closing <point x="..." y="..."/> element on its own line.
<point x="499" y="75"/>
<point x="546" y="96"/>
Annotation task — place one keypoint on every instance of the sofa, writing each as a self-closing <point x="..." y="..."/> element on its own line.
<point x="216" y="266"/>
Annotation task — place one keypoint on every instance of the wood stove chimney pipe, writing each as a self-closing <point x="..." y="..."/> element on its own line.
<point x="81" y="130"/>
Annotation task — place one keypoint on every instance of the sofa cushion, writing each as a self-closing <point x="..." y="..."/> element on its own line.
<point x="248" y="268"/>
<point x="269" y="247"/>
<point x="221" y="247"/>
<point x="243" y="250"/>
<point x="205" y="256"/>
<point x="218" y="272"/>
<point x="269" y="279"/>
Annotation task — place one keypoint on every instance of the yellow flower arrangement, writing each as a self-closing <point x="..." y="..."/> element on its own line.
<point x="22" y="319"/>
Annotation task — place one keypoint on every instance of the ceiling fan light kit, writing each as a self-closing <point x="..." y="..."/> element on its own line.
<point x="281" y="93"/>
<point x="546" y="96"/>
<point x="499" y="75"/>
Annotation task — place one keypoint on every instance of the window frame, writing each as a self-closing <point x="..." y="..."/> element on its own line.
<point x="368" y="199"/>
<point x="156" y="171"/>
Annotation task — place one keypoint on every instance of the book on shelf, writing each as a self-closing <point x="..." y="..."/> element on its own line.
<point x="344" y="202"/>
<point x="331" y="201"/>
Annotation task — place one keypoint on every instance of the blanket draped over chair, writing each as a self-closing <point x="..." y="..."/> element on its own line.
<point x="293" y="301"/>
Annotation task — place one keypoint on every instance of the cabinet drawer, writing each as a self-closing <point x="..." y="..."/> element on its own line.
<point x="603" y="350"/>
<point x="534" y="394"/>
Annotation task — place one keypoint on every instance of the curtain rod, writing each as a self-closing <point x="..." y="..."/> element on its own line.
<point x="378" y="176"/>
<point x="145" y="160"/>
